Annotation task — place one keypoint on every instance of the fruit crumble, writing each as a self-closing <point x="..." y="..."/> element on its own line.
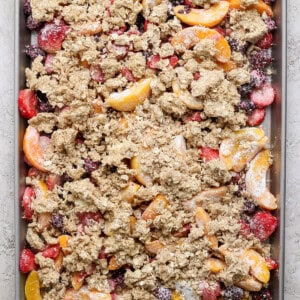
<point x="146" y="163"/>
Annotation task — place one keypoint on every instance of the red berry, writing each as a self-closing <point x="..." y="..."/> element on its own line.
<point x="49" y="63"/>
<point x="152" y="61"/>
<point x="52" y="35"/>
<point x="266" y="41"/>
<point x="88" y="218"/>
<point x="33" y="172"/>
<point x="97" y="74"/>
<point x="27" y="263"/>
<point x="53" y="180"/>
<point x="263" y="224"/>
<point x="263" y="96"/>
<point x="102" y="254"/>
<point x="28" y="196"/>
<point x="208" y="154"/>
<point x="51" y="251"/>
<point x="128" y="74"/>
<point x="196" y="117"/>
<point x="196" y="75"/>
<point x="120" y="51"/>
<point x="27" y="103"/>
<point x="146" y="23"/>
<point x="188" y="3"/>
<point x="271" y="263"/>
<point x="257" y="117"/>
<point x="173" y="61"/>
<point x="245" y="228"/>
<point x="210" y="290"/>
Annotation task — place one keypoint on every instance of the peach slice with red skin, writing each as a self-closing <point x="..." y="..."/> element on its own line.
<point x="204" y="17"/>
<point x="85" y="294"/>
<point x="153" y="210"/>
<point x="33" y="149"/>
<point x="261" y="6"/>
<point x="190" y="36"/>
<point x="256" y="181"/>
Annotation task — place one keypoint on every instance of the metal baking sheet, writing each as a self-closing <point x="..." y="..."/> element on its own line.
<point x="274" y="125"/>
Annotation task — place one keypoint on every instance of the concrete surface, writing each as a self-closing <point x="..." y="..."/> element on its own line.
<point x="292" y="283"/>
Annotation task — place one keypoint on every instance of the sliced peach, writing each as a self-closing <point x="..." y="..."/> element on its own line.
<point x="236" y="152"/>
<point x="155" y="207"/>
<point x="154" y="247"/>
<point x="258" y="267"/>
<point x="190" y="36"/>
<point x="129" y="99"/>
<point x="250" y="284"/>
<point x="113" y="265"/>
<point x="204" y="17"/>
<point x="129" y="192"/>
<point x="215" y="265"/>
<point x="32" y="287"/>
<point x="58" y="262"/>
<point x="89" y="28"/>
<point x="256" y="181"/>
<point x="85" y="294"/>
<point x="228" y="66"/>
<point x="32" y="148"/>
<point x="144" y="179"/>
<point x="64" y="240"/>
<point x="97" y="105"/>
<point x="41" y="190"/>
<point x="202" y="219"/>
<point x="132" y="222"/>
<point x="261" y="6"/>
<point x="176" y="296"/>
<point x="77" y="280"/>
<point x="149" y="4"/>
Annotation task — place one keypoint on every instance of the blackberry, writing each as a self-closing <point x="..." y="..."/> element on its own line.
<point x="163" y="293"/>
<point x="248" y="106"/>
<point x="66" y="178"/>
<point x="32" y="25"/>
<point x="233" y="293"/>
<point x="261" y="59"/>
<point x="237" y="45"/>
<point x="27" y="8"/>
<point x="44" y="106"/>
<point x="257" y="78"/>
<point x="245" y="89"/>
<point x="42" y="96"/>
<point x="249" y="207"/>
<point x="177" y="2"/>
<point x="57" y="221"/>
<point x="263" y="294"/>
<point x="33" y="51"/>
<point x="90" y="165"/>
<point x="271" y="24"/>
<point x="140" y="22"/>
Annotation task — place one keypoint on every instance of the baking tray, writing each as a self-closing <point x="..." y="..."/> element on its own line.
<point x="274" y="125"/>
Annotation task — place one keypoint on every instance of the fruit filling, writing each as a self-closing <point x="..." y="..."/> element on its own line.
<point x="147" y="173"/>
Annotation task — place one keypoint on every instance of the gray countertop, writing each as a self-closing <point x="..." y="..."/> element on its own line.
<point x="7" y="257"/>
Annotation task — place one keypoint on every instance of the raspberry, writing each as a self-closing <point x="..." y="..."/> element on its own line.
<point x="90" y="165"/>
<point x="249" y="207"/>
<point x="27" y="8"/>
<point x="32" y="25"/>
<point x="247" y="106"/>
<point x="261" y="59"/>
<point x="51" y="251"/>
<point x="263" y="294"/>
<point x="163" y="293"/>
<point x="233" y="293"/>
<point x="256" y="117"/>
<point x="33" y="51"/>
<point x="27" y="103"/>
<point x="270" y="24"/>
<point x="245" y="229"/>
<point x="57" y="221"/>
<point x="266" y="41"/>
<point x="257" y="78"/>
<point x="211" y="290"/>
<point x="27" y="263"/>
<point x="263" y="224"/>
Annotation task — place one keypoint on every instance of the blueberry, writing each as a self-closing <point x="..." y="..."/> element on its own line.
<point x="33" y="51"/>
<point x="233" y="293"/>
<point x="163" y="293"/>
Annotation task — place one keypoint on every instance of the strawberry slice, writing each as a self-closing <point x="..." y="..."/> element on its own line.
<point x="52" y="35"/>
<point x="271" y="263"/>
<point x="28" y="196"/>
<point x="128" y="74"/>
<point x="120" y="51"/>
<point x="263" y="224"/>
<point x="173" y="61"/>
<point x="49" y="63"/>
<point x="195" y="117"/>
<point x="153" y="60"/>
<point x="263" y="96"/>
<point x="208" y="154"/>
<point x="257" y="117"/>
<point x="97" y="74"/>
<point x="196" y="75"/>
<point x="51" y="251"/>
<point x="53" y="180"/>
<point x="245" y="228"/>
<point x="27" y="262"/>
<point x="266" y="41"/>
<point x="27" y="103"/>
<point x="211" y="290"/>
<point x="87" y="218"/>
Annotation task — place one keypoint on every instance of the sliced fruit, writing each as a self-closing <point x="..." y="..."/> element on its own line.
<point x="195" y="117"/>
<point x="155" y="207"/>
<point x="97" y="74"/>
<point x="77" y="280"/>
<point x="271" y="263"/>
<point x="141" y="177"/>
<point x="261" y="6"/>
<point x="190" y="36"/>
<point x="89" y="28"/>
<point x="127" y="73"/>
<point x="257" y="117"/>
<point x="85" y="294"/>
<point x="263" y="96"/>
<point x="266" y="41"/>
<point x="27" y="103"/>
<point x="129" y="99"/>
<point x="258" y="267"/>
<point x="237" y="151"/>
<point x="245" y="228"/>
<point x="64" y="240"/>
<point x="51" y="251"/>
<point x="49" y="63"/>
<point x="202" y="219"/>
<point x="129" y="192"/>
<point x="53" y="180"/>
<point x="176" y="296"/>
<point x="132" y="222"/>
<point x="152" y="61"/>
<point x="89" y="218"/>
<point x="43" y="221"/>
<point x="32" y="287"/>
<point x="184" y="232"/>
<point x="256" y="181"/>
<point x="211" y="290"/>
<point x="204" y="17"/>
<point x="28" y="196"/>
<point x="32" y="148"/>
<point x="113" y="265"/>
<point x="207" y="154"/>
<point x="228" y="66"/>
<point x="97" y="105"/>
<point x="149" y="4"/>
<point x="250" y="284"/>
<point x="215" y="265"/>
<point x="58" y="262"/>
<point x="154" y="247"/>
<point x="27" y="262"/>
<point x="180" y="144"/>
<point x="41" y="190"/>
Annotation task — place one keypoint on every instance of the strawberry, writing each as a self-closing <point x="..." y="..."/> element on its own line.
<point x="52" y="35"/>
<point x="27" y="262"/>
<point x="128" y="74"/>
<point x="196" y="117"/>
<point x="257" y="117"/>
<point x="53" y="180"/>
<point x="263" y="224"/>
<point x="152" y="61"/>
<point x="51" y="251"/>
<point x="211" y="290"/>
<point x="27" y="103"/>
<point x="266" y="41"/>
<point x="173" y="61"/>
<point x="208" y="154"/>
<point x="263" y="96"/>
<point x="146" y="23"/>
<point x="97" y="74"/>
<point x="120" y="51"/>
<point x="245" y="228"/>
<point x="271" y="263"/>
<point x="87" y="218"/>
<point x="49" y="63"/>
<point x="196" y="75"/>
<point x="28" y="196"/>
